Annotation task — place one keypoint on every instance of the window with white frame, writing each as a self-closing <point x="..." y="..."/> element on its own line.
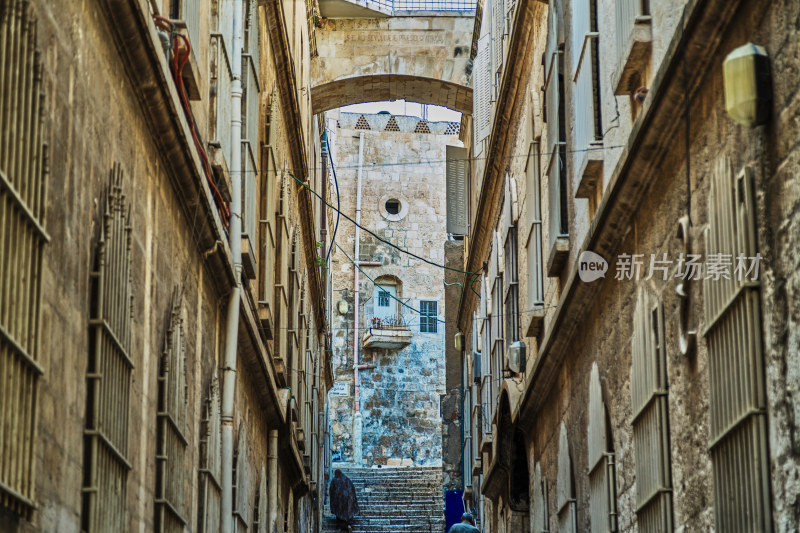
<point x="738" y="402"/>
<point x="429" y="316"/>
<point x="651" y="417"/>
<point x="23" y="189"/>
<point x="498" y="341"/>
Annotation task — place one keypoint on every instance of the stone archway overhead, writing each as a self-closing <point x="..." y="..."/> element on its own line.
<point x="391" y="87"/>
<point x="422" y="59"/>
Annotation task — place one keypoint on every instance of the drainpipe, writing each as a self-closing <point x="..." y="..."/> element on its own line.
<point x="232" y="333"/>
<point x="272" y="480"/>
<point x="357" y="423"/>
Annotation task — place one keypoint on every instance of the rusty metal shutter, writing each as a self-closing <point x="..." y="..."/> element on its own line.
<point x="457" y="188"/>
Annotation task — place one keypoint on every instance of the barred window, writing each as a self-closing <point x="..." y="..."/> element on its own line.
<point x="429" y="317"/>
<point x="241" y="480"/>
<point x="260" y="519"/>
<point x="602" y="470"/>
<point x="109" y="370"/>
<point x="210" y="493"/>
<point x="511" y="287"/>
<point x="540" y="508"/>
<point x="651" y="417"/>
<point x="565" y="489"/>
<point x="171" y="438"/>
<point x="23" y="196"/>
<point x="738" y="447"/>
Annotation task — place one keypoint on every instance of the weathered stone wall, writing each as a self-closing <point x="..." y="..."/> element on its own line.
<point x="605" y="332"/>
<point x="400" y="390"/>
<point x="95" y="119"/>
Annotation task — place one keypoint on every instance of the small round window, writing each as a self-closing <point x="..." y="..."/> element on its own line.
<point x="392" y="206"/>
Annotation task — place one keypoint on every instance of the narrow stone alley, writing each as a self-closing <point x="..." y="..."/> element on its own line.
<point x="532" y="265"/>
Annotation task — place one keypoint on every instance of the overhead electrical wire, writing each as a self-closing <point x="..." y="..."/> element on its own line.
<point x="471" y="159"/>
<point x="381" y="239"/>
<point x="338" y="199"/>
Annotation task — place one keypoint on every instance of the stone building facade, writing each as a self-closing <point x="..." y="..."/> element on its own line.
<point x="650" y="402"/>
<point x="400" y="162"/>
<point x="118" y="273"/>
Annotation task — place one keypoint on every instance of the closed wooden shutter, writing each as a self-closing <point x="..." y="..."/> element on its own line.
<point x="457" y="190"/>
<point x="565" y="488"/>
<point x="602" y="491"/>
<point x="210" y="492"/>
<point x="482" y="95"/>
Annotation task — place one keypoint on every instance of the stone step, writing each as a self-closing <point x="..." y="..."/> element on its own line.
<point x="407" y="499"/>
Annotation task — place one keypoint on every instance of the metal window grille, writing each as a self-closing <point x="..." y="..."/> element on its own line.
<point x="222" y="81"/>
<point x="651" y="417"/>
<point x="556" y="135"/>
<point x="511" y="288"/>
<point x="625" y="14"/>
<point x="533" y="191"/>
<point x="584" y="52"/>
<point x="210" y="493"/>
<point x="171" y="438"/>
<point x="739" y="453"/>
<point x="487" y="384"/>
<point x="24" y="175"/>
<point x="540" y="508"/>
<point x="429" y="316"/>
<point x="602" y="490"/>
<point x="241" y="480"/>
<point x="260" y="519"/>
<point x="109" y="370"/>
<point x="391" y="6"/>
<point x="190" y="11"/>
<point x="497" y="339"/>
<point x="565" y="487"/>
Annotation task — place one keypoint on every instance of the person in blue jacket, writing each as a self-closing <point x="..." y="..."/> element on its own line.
<point x="467" y="525"/>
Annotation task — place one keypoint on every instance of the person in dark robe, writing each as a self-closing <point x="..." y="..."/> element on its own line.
<point x="344" y="503"/>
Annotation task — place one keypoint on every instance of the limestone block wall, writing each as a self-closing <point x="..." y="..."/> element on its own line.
<point x="400" y="391"/>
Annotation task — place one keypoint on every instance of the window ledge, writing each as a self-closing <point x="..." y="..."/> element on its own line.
<point x="280" y="371"/>
<point x="636" y="58"/>
<point x="248" y="258"/>
<point x="557" y="257"/>
<point x="387" y="338"/>
<point x="536" y="324"/>
<point x="191" y="71"/>
<point x="591" y="173"/>
<point x="265" y="319"/>
<point x="216" y="158"/>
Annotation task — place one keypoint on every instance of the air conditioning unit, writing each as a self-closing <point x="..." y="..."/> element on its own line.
<point x="515" y="357"/>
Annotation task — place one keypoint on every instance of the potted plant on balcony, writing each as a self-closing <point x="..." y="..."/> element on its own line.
<point x="375" y="323"/>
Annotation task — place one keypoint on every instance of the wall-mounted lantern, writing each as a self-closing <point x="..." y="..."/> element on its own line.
<point x="748" y="85"/>
<point x="343" y="307"/>
<point x="459" y="341"/>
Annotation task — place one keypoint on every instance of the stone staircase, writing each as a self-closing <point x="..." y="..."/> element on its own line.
<point x="394" y="500"/>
